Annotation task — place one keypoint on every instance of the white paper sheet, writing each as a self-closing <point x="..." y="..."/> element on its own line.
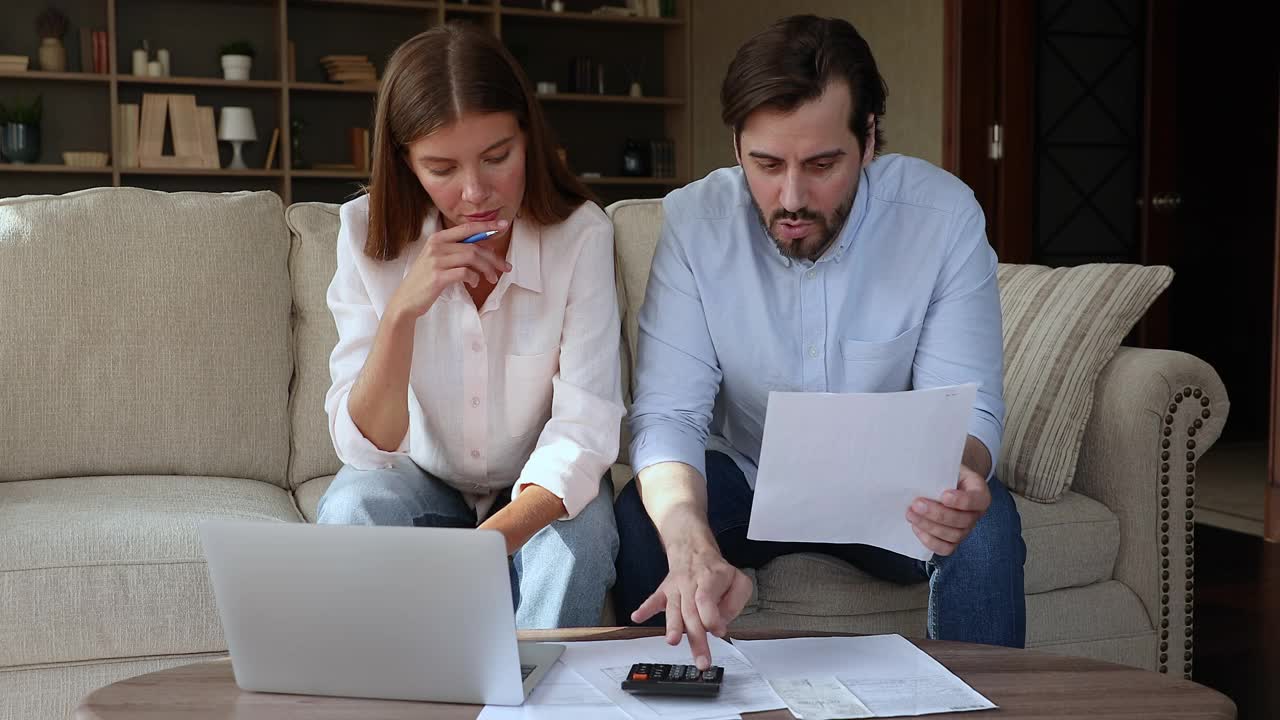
<point x="889" y="675"/>
<point x="819" y="698"/>
<point x="604" y="664"/>
<point x="844" y="468"/>
<point x="561" y="695"/>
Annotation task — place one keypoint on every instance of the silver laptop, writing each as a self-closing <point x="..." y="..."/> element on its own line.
<point x="371" y="612"/>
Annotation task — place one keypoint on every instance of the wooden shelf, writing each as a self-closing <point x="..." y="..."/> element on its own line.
<point x="200" y="82"/>
<point x="57" y="76"/>
<point x="475" y="8"/>
<point x="393" y="4"/>
<point x="333" y="107"/>
<point x="202" y="172"/>
<point x="332" y="87"/>
<point x="619" y="180"/>
<point x="331" y="174"/>
<point x="8" y="167"/>
<point x="607" y="99"/>
<point x="586" y="17"/>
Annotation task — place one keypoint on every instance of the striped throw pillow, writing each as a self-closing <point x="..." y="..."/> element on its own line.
<point x="1061" y="327"/>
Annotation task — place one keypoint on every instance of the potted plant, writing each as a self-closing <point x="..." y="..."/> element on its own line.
<point x="237" y="60"/>
<point x="51" y="25"/>
<point x="20" y="130"/>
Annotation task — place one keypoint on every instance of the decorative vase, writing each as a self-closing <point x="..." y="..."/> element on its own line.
<point x="236" y="67"/>
<point x="53" y="55"/>
<point x="20" y="143"/>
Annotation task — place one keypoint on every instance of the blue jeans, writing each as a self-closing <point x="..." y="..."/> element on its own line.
<point x="558" y="579"/>
<point x="975" y="594"/>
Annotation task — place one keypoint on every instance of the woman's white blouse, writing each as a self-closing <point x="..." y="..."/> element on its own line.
<point x="524" y="390"/>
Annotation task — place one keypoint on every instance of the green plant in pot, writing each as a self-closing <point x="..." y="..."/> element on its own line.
<point x="51" y="25"/>
<point x="237" y="60"/>
<point x="20" y="130"/>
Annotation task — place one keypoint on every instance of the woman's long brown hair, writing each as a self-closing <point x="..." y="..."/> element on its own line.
<point x="431" y="81"/>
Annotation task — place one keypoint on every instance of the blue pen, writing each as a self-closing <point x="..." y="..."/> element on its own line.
<point x="480" y="236"/>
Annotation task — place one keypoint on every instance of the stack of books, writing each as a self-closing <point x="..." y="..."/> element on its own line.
<point x="662" y="158"/>
<point x="14" y="63"/>
<point x="94" y="51"/>
<point x="354" y="69"/>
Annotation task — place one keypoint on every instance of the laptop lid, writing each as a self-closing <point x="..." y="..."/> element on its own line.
<point x="375" y="612"/>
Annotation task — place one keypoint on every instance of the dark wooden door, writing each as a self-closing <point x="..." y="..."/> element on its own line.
<point x="1120" y="142"/>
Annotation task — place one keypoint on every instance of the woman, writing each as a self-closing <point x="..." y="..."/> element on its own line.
<point x="478" y="382"/>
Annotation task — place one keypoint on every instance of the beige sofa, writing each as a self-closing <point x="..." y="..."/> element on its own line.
<point x="165" y="358"/>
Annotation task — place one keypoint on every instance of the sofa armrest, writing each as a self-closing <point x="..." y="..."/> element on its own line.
<point x="1155" y="412"/>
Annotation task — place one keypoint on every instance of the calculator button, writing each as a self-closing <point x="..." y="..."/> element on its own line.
<point x="709" y="675"/>
<point x="691" y="673"/>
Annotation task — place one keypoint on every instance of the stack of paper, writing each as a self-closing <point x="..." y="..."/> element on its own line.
<point x="883" y="675"/>
<point x="816" y="678"/>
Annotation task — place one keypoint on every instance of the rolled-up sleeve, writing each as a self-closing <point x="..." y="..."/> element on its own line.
<point x="580" y="441"/>
<point x="357" y="324"/>
<point x="962" y="340"/>
<point x="677" y="374"/>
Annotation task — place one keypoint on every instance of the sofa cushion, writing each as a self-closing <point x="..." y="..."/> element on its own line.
<point x="1061" y="326"/>
<point x="312" y="263"/>
<point x="1072" y="543"/>
<point x="111" y="567"/>
<point x="308" y="495"/>
<point x="144" y="333"/>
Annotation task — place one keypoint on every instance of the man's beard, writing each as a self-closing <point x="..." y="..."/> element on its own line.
<point x="825" y="229"/>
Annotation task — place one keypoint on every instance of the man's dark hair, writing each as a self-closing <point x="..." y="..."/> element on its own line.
<point x="792" y="61"/>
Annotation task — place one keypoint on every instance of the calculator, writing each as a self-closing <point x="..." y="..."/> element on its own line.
<point x="660" y="679"/>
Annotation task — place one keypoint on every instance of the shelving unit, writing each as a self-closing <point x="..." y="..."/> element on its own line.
<point x="592" y="127"/>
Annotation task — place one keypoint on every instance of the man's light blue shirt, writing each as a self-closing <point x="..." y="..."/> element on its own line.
<point x="905" y="298"/>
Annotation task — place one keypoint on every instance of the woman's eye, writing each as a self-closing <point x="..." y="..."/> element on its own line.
<point x="499" y="159"/>
<point x="439" y="173"/>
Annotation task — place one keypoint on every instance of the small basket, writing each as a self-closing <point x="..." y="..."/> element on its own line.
<point x="85" y="159"/>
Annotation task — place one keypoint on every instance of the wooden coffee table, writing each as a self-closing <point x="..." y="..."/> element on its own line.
<point x="1025" y="684"/>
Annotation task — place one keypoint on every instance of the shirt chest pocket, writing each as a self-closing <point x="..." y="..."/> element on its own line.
<point x="527" y="402"/>
<point x="881" y="365"/>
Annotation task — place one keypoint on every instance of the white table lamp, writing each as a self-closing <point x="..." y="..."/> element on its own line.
<point x="236" y="127"/>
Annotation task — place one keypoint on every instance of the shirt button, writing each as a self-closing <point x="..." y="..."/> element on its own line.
<point x="475" y="346"/>
<point x="475" y="402"/>
<point x="811" y="274"/>
<point x="475" y="454"/>
<point x="813" y="351"/>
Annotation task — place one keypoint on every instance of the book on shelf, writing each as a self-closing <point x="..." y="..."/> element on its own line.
<point x="101" y="60"/>
<point x="358" y="140"/>
<point x="127" y="144"/>
<point x="662" y="158"/>
<point x="271" y="149"/>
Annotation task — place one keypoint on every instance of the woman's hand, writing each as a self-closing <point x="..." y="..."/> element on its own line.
<point x="444" y="261"/>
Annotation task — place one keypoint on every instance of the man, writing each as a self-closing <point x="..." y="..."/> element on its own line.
<point x="814" y="265"/>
